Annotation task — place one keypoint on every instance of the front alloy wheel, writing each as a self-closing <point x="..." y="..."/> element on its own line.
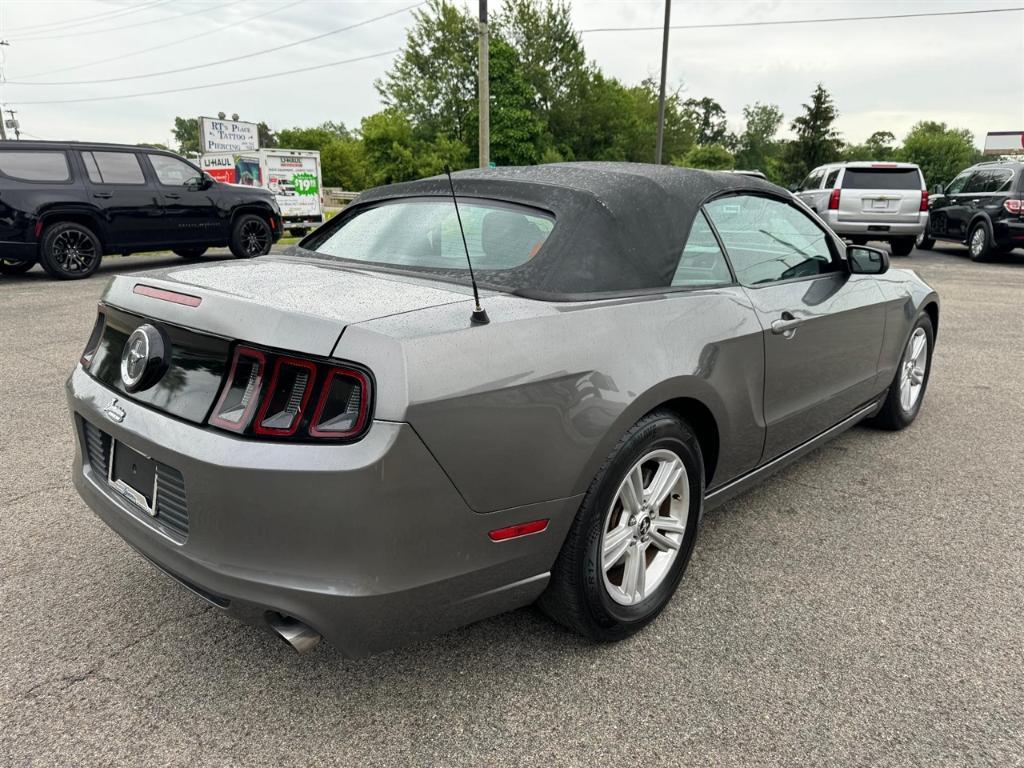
<point x="912" y="370"/>
<point x="644" y="527"/>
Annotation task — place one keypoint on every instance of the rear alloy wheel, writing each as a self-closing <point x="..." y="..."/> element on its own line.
<point x="250" y="237"/>
<point x="901" y="246"/>
<point x="906" y="392"/>
<point x="979" y="244"/>
<point x="633" y="535"/>
<point x="923" y="242"/>
<point x="190" y="253"/>
<point x="13" y="267"/>
<point x="70" y="251"/>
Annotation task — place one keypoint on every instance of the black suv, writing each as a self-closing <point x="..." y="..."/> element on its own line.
<point x="983" y="207"/>
<point x="65" y="204"/>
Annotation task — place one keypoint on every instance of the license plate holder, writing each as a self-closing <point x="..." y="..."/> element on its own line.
<point x="883" y="204"/>
<point x="133" y="476"/>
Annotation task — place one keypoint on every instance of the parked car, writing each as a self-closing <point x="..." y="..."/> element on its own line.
<point x="864" y="201"/>
<point x="983" y="207"/>
<point x="66" y="204"/>
<point x="334" y="443"/>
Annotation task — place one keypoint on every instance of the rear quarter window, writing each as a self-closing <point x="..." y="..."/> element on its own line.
<point x="882" y="178"/>
<point x="35" y="166"/>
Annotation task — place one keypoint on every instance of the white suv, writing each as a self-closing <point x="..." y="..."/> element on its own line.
<point x="864" y="201"/>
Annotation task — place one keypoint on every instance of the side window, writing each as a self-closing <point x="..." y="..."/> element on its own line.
<point x="113" y="168"/>
<point x="34" y="166"/>
<point x="830" y="182"/>
<point x="172" y="172"/>
<point x="981" y="181"/>
<point x="702" y="261"/>
<point x="768" y="240"/>
<point x="957" y="185"/>
<point x="812" y="181"/>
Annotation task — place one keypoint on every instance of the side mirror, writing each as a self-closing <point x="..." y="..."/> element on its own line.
<point x="205" y="181"/>
<point x="867" y="261"/>
<point x="938" y="189"/>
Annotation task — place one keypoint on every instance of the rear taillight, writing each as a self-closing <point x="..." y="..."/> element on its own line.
<point x="1014" y="206"/>
<point x="924" y="200"/>
<point x="94" y="341"/>
<point x="267" y="395"/>
<point x="833" y="200"/>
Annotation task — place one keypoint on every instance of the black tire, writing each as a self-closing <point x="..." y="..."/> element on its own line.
<point x="901" y="246"/>
<point x="983" y="250"/>
<point x="190" y="253"/>
<point x="13" y="267"/>
<point x="924" y="242"/>
<point x="577" y="596"/>
<point x="859" y="240"/>
<point x="250" y="236"/>
<point x="894" y="415"/>
<point x="70" y="251"/>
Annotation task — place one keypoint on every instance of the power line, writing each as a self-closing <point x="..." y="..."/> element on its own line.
<point x="263" y="52"/>
<point x="213" y="85"/>
<point x="161" y="20"/>
<point x="805" y="21"/>
<point x="179" y="41"/>
<point x="63" y="23"/>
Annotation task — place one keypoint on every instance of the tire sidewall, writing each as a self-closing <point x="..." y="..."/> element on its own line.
<point x="666" y="433"/>
<point x="52" y="266"/>
<point x="986" y="252"/>
<point x="923" y="321"/>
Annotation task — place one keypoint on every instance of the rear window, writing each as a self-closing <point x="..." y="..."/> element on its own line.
<point x="425" y="234"/>
<point x="34" y="166"/>
<point x="882" y="178"/>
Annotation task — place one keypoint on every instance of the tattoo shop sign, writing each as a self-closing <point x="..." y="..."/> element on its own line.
<point x="217" y="135"/>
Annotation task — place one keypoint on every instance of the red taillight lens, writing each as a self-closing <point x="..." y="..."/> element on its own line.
<point x="94" y="341"/>
<point x="342" y="408"/>
<point x="924" y="200"/>
<point x="833" y="200"/>
<point x="269" y="395"/>
<point x="241" y="391"/>
<point x="286" y="398"/>
<point x="1014" y="206"/>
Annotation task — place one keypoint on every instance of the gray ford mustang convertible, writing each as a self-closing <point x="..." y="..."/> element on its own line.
<point x="336" y="443"/>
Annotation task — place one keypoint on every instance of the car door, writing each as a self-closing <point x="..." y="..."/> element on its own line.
<point x="189" y="202"/>
<point x="947" y="212"/>
<point x="822" y="327"/>
<point x="128" y="205"/>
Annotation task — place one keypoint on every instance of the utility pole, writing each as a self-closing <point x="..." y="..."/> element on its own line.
<point x="661" y="97"/>
<point x="14" y="123"/>
<point x="3" y="131"/>
<point x="484" y="87"/>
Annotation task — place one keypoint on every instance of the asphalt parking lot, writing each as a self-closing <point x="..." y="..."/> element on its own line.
<point x="864" y="607"/>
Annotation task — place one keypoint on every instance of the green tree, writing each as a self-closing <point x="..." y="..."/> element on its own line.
<point x="879" y="146"/>
<point x="816" y="140"/>
<point x="941" y="151"/>
<point x="186" y="133"/>
<point x="712" y="157"/>
<point x="393" y="152"/>
<point x="709" y="118"/>
<point x="433" y="80"/>
<point x="267" y="138"/>
<point x="758" y="147"/>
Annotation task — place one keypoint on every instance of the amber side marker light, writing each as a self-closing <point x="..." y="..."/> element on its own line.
<point x="515" y="531"/>
<point x="164" y="295"/>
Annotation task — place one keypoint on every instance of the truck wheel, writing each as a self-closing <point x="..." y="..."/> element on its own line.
<point x="190" y="253"/>
<point x="979" y="243"/>
<point x="902" y="246"/>
<point x="12" y="267"/>
<point x="70" y="251"/>
<point x="924" y="242"/>
<point x="250" y="236"/>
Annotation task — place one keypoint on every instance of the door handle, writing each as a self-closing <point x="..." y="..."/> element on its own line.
<point x="786" y="325"/>
<point x="103" y="195"/>
<point x="172" y="196"/>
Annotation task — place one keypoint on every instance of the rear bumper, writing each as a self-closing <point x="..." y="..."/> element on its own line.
<point x="880" y="230"/>
<point x="369" y="544"/>
<point x="1009" y="233"/>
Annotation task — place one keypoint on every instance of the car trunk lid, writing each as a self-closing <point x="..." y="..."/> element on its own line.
<point x="882" y="194"/>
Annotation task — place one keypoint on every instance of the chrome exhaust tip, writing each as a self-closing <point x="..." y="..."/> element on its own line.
<point x="298" y="635"/>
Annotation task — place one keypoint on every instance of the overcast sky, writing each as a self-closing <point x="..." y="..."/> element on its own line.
<point x="965" y="70"/>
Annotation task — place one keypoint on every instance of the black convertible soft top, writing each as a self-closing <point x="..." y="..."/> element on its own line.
<point x="618" y="226"/>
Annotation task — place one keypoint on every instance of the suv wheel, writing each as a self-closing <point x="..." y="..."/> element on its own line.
<point x="924" y="242"/>
<point x="250" y="236"/>
<point x="901" y="246"/>
<point x="979" y="243"/>
<point x="633" y="535"/>
<point x="12" y="267"/>
<point x="190" y="253"/>
<point x="70" y="251"/>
